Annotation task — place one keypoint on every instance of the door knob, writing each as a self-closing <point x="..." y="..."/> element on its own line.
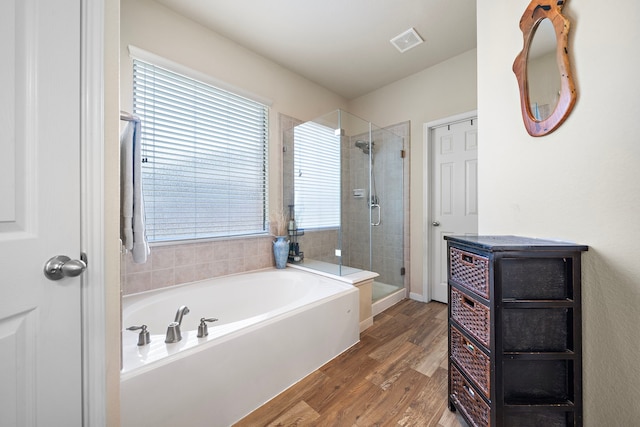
<point x="435" y="223"/>
<point x="62" y="266"/>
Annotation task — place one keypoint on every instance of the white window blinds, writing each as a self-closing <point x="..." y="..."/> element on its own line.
<point x="204" y="157"/>
<point x="316" y="176"/>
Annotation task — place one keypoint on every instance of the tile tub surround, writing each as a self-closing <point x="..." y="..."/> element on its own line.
<point x="170" y="265"/>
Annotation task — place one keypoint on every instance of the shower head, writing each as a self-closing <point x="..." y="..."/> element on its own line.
<point x="364" y="146"/>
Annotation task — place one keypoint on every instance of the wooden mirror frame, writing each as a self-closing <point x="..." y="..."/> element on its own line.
<point x="533" y="15"/>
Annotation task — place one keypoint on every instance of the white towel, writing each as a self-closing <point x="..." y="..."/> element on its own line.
<point x="133" y="233"/>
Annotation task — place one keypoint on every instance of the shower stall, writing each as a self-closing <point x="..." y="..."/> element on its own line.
<point x="344" y="192"/>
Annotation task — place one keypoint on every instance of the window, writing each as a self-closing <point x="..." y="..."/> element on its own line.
<point x="204" y="152"/>
<point x="316" y="176"/>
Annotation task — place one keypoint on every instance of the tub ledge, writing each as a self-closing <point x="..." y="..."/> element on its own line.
<point x="363" y="280"/>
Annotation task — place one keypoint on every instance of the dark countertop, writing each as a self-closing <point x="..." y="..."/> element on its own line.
<point x="510" y="243"/>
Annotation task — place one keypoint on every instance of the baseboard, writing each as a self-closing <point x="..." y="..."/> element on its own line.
<point x="366" y="323"/>
<point x="416" y="297"/>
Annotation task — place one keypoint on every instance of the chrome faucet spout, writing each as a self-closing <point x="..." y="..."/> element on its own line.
<point x="173" y="330"/>
<point x="180" y="313"/>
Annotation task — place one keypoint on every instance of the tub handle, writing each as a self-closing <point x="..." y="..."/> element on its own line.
<point x="203" y="331"/>
<point x="143" y="337"/>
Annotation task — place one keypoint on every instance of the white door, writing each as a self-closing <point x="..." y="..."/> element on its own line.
<point x="40" y="335"/>
<point x="454" y="195"/>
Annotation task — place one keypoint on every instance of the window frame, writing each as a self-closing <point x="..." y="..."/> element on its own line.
<point x="262" y="154"/>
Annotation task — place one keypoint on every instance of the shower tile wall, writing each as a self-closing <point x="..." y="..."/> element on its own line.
<point x="183" y="263"/>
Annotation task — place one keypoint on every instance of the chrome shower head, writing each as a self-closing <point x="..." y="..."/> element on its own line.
<point x="365" y="146"/>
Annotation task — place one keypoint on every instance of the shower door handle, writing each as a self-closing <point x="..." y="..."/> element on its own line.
<point x="374" y="206"/>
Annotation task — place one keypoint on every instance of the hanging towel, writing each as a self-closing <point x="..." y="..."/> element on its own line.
<point x="133" y="233"/>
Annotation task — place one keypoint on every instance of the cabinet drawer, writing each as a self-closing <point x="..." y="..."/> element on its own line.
<point x="467" y="400"/>
<point x="471" y="360"/>
<point x="472" y="315"/>
<point x="540" y="417"/>
<point x="470" y="270"/>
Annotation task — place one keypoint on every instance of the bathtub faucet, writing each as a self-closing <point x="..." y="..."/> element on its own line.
<point x="181" y="312"/>
<point x="173" y="331"/>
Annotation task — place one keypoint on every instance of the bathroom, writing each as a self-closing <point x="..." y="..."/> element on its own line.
<point x="469" y="81"/>
<point x="587" y="191"/>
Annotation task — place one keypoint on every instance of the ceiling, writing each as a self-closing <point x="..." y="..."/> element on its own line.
<point x="342" y="45"/>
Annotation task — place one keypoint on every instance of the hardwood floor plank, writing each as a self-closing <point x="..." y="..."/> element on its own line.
<point x="356" y="401"/>
<point x="389" y="327"/>
<point x="395" y="400"/>
<point x="299" y="415"/>
<point x="425" y="332"/>
<point x="408" y="307"/>
<point x="433" y="356"/>
<point x="392" y="366"/>
<point x="341" y="387"/>
<point x="386" y="349"/>
<point x="450" y="419"/>
<point x="428" y="406"/>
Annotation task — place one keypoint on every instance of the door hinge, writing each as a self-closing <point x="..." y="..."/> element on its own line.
<point x="402" y="271"/>
<point x="402" y="154"/>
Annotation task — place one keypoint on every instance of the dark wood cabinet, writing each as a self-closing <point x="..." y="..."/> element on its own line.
<point x="515" y="340"/>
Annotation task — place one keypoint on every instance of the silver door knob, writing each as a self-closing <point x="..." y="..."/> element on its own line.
<point x="62" y="266"/>
<point x="435" y="223"/>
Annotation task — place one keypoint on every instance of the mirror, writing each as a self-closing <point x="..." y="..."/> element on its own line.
<point x="547" y="91"/>
<point x="543" y="75"/>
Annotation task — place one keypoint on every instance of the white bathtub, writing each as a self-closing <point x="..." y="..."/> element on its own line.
<point x="274" y="328"/>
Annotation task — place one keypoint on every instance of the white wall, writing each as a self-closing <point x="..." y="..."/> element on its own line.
<point x="581" y="183"/>
<point x="441" y="91"/>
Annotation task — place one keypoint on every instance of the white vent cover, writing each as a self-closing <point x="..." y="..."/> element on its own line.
<point x="405" y="41"/>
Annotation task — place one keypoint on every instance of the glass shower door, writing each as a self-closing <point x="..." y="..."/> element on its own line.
<point x="386" y="212"/>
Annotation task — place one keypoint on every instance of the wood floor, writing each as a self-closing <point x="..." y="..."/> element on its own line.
<point x="395" y="376"/>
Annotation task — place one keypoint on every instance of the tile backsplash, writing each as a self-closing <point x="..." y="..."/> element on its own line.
<point x="170" y="265"/>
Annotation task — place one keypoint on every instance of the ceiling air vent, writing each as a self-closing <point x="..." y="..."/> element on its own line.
<point x="405" y="41"/>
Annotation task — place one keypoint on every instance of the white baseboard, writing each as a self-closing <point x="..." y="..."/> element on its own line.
<point x="416" y="297"/>
<point x="366" y="323"/>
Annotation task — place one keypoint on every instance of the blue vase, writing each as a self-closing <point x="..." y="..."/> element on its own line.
<point x="281" y="251"/>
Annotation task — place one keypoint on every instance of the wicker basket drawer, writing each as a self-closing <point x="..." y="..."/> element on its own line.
<point x="470" y="270"/>
<point x="473" y="316"/>
<point x="467" y="400"/>
<point x="471" y="360"/>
